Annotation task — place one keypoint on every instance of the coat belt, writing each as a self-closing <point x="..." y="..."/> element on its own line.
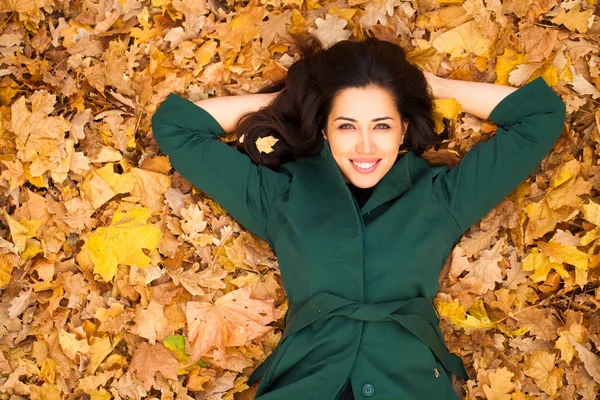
<point x="417" y="315"/>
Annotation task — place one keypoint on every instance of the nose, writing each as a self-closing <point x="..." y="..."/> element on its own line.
<point x="365" y="144"/>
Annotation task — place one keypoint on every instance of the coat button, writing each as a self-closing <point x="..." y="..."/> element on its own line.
<point x="368" y="389"/>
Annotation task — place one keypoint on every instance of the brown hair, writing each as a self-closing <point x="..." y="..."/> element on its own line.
<point x="299" y="112"/>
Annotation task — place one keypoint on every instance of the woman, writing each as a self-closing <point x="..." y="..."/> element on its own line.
<point x="360" y="229"/>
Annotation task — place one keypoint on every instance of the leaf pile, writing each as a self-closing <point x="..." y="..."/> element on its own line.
<point x="118" y="279"/>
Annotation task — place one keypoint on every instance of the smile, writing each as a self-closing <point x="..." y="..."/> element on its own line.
<point x="365" y="168"/>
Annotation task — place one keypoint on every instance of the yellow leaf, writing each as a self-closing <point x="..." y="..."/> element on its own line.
<point x="591" y="212"/>
<point x="71" y="345"/>
<point x="565" y="172"/>
<point x="450" y="309"/>
<point x="242" y="28"/>
<point x="464" y="40"/>
<point x="265" y="144"/>
<point x="206" y="52"/>
<point x="21" y="230"/>
<point x="39" y="181"/>
<point x="542" y="219"/>
<point x="99" y="349"/>
<point x="344" y="13"/>
<point x="122" y="241"/>
<point x="6" y="268"/>
<point x="102" y="184"/>
<point x="501" y="385"/>
<point x="99" y="394"/>
<point x="548" y="72"/>
<point x="444" y="108"/>
<point x="456" y="314"/>
<point x="150" y="187"/>
<point x="590" y="236"/>
<point x="298" y="25"/>
<point x="574" y="19"/>
<point x="567" y="350"/>
<point x="541" y="265"/>
<point x="539" y="365"/>
<point x="25" y="7"/>
<point x="569" y="254"/>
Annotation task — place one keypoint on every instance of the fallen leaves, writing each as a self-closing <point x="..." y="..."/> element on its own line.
<point x="119" y="279"/>
<point x="121" y="242"/>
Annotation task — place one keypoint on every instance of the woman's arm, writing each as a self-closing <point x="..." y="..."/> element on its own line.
<point x="228" y="110"/>
<point x="530" y="119"/>
<point x="188" y="134"/>
<point x="475" y="98"/>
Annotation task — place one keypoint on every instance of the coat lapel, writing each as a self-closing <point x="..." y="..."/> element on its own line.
<point x="393" y="184"/>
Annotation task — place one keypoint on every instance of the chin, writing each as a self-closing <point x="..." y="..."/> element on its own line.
<point x="364" y="184"/>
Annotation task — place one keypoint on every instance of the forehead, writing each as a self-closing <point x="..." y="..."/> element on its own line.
<point x="368" y="101"/>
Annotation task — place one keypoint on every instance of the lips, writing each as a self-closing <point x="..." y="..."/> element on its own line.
<point x="372" y="168"/>
<point x="365" y="160"/>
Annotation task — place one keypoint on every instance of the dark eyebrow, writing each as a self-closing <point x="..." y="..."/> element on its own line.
<point x="373" y="120"/>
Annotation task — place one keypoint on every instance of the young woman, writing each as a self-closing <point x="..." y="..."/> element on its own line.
<point x="361" y="228"/>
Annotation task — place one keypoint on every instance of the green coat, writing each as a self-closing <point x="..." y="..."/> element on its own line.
<point x="360" y="282"/>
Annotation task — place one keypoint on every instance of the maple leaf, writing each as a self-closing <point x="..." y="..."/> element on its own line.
<point x="122" y="242"/>
<point x="464" y="40"/>
<point x="501" y="385"/>
<point x="233" y="320"/>
<point x="39" y="137"/>
<point x="151" y="322"/>
<point x="541" y="322"/>
<point x="540" y="366"/>
<point x="148" y="360"/>
<point x="150" y="187"/>
<point x="242" y="28"/>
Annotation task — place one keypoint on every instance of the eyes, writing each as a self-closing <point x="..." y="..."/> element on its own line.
<point x="348" y="126"/>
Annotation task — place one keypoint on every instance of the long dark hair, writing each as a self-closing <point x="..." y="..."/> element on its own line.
<point x="299" y="112"/>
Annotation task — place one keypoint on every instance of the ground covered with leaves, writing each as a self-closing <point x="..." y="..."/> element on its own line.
<point x="118" y="279"/>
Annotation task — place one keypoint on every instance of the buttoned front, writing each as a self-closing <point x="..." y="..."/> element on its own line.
<point x="368" y="389"/>
<point x="360" y="280"/>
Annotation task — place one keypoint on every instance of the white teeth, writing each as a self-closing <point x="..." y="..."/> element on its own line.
<point x="364" y="165"/>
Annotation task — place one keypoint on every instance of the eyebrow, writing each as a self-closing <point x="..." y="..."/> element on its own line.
<point x="373" y="120"/>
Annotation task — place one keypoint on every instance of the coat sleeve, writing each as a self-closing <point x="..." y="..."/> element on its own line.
<point x="188" y="135"/>
<point x="530" y="121"/>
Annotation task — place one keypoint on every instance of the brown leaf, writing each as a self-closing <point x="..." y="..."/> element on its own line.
<point x="148" y="360"/>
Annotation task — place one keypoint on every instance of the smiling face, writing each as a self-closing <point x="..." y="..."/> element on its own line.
<point x="365" y="131"/>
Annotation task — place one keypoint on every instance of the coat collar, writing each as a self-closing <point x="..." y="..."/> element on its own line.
<point x="394" y="184"/>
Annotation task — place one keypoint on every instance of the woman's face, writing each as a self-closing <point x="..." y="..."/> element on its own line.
<point x="364" y="127"/>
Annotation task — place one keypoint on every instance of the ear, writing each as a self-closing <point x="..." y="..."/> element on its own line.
<point x="324" y="134"/>
<point x="404" y="127"/>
